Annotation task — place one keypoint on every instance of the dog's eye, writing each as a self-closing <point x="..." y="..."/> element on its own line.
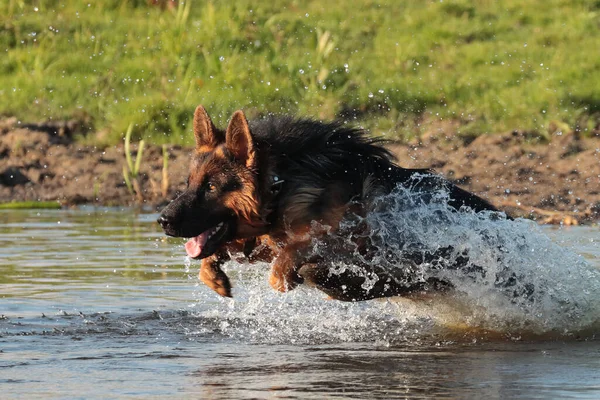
<point x="211" y="187"/>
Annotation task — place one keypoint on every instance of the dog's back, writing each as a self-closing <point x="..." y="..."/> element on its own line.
<point x="316" y="158"/>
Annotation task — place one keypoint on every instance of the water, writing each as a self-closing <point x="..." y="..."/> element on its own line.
<point x="97" y="303"/>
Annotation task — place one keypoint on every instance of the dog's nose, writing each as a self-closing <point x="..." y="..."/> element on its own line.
<point x="163" y="221"/>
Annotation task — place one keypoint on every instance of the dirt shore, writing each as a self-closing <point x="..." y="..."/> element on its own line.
<point x="553" y="181"/>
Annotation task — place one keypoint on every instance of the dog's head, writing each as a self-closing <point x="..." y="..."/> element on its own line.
<point x="222" y="187"/>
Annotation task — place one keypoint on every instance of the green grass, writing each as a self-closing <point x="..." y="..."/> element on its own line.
<point x="26" y="205"/>
<point x="397" y="66"/>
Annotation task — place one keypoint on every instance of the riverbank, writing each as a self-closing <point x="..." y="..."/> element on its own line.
<point x="553" y="181"/>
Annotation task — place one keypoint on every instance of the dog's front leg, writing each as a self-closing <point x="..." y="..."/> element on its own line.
<point x="212" y="275"/>
<point x="284" y="272"/>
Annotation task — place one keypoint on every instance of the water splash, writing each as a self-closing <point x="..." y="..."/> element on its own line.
<point x="508" y="277"/>
<point x="510" y="274"/>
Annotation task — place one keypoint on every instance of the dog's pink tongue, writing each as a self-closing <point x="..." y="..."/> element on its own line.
<point x="193" y="247"/>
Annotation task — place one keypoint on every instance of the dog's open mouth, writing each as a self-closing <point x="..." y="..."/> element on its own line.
<point x="206" y="243"/>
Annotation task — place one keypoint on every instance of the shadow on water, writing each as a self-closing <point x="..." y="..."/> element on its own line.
<point x="98" y="303"/>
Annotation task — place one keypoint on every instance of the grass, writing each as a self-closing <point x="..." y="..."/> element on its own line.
<point x="164" y="184"/>
<point x="398" y="67"/>
<point x="27" y="205"/>
<point x="131" y="169"/>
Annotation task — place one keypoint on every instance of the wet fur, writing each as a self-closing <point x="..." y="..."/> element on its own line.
<point x="281" y="182"/>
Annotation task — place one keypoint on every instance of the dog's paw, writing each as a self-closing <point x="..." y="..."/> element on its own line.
<point x="222" y="287"/>
<point x="280" y="283"/>
<point x="218" y="282"/>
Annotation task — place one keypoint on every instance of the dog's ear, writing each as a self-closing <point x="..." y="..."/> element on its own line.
<point x="239" y="141"/>
<point x="207" y="136"/>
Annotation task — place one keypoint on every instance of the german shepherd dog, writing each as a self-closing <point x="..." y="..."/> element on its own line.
<point x="267" y="188"/>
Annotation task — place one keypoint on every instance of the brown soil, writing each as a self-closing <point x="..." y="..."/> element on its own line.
<point x="553" y="182"/>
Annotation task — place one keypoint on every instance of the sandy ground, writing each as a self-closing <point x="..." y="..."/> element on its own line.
<point x="554" y="182"/>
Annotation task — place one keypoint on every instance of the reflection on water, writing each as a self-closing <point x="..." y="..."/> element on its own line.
<point x="71" y="259"/>
<point x="97" y="303"/>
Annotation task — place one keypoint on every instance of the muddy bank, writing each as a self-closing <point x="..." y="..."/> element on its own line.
<point x="553" y="181"/>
